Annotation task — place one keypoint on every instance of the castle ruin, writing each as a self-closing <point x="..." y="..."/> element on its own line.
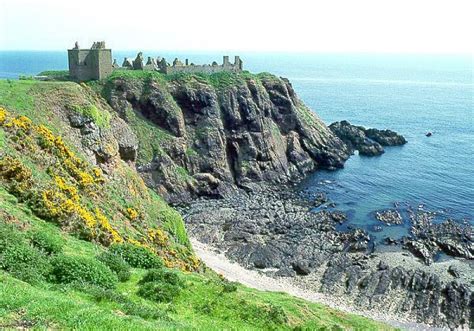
<point x="96" y="63"/>
<point x="87" y="64"/>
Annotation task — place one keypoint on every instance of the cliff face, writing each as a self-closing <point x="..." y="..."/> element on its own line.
<point x="218" y="133"/>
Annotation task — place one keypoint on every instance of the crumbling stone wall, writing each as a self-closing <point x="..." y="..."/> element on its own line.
<point x="96" y="63"/>
<point x="177" y="66"/>
<point x="93" y="63"/>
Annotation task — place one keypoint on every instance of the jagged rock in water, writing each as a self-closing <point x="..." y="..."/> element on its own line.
<point x="385" y="137"/>
<point x="389" y="216"/>
<point x="275" y="229"/>
<point x="367" y="141"/>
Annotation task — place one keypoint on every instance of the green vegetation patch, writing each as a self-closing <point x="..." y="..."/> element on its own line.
<point x="117" y="264"/>
<point x="2" y="139"/>
<point x="136" y="256"/>
<point x="17" y="94"/>
<point x="46" y="241"/>
<point x="61" y="75"/>
<point x="99" y="117"/>
<point x="84" y="270"/>
<point x="150" y="136"/>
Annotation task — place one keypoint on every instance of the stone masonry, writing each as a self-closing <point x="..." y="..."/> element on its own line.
<point x="87" y="64"/>
<point x="96" y="63"/>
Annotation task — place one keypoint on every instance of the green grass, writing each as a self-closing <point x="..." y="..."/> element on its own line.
<point x="2" y="139"/>
<point x="61" y="75"/>
<point x="99" y="117"/>
<point x="136" y="74"/>
<point x="218" y="80"/>
<point x="16" y="94"/>
<point x="203" y="304"/>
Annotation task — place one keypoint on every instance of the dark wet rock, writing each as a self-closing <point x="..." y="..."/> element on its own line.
<point x="415" y="293"/>
<point x="263" y="256"/>
<point x="301" y="268"/>
<point x="355" y="138"/>
<point x="368" y="142"/>
<point x="452" y="238"/>
<point x="320" y="199"/>
<point x="390" y="241"/>
<point x="389" y="217"/>
<point x="383" y="265"/>
<point x="423" y="250"/>
<point x="78" y="120"/>
<point x="273" y="228"/>
<point x="339" y="216"/>
<point x="285" y="272"/>
<point x="385" y="137"/>
<point x="370" y="148"/>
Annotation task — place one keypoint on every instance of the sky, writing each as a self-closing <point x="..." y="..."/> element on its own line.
<point x="374" y="26"/>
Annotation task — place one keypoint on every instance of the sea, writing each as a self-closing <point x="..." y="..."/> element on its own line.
<point x="411" y="94"/>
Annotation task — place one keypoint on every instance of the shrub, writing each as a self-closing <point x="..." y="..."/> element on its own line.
<point x="116" y="264"/>
<point x="136" y="256"/>
<point x="47" y="242"/>
<point x="24" y="262"/>
<point x="8" y="235"/>
<point x="75" y="269"/>
<point x="160" y="285"/>
<point x="159" y="292"/>
<point x="128" y="306"/>
<point x="162" y="276"/>
<point x="228" y="287"/>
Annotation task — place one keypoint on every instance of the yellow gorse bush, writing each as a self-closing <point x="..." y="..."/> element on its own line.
<point x="19" y="122"/>
<point x="132" y="214"/>
<point x="60" y="199"/>
<point x="105" y="226"/>
<point x="3" y="115"/>
<point x="158" y="237"/>
<point x="16" y="174"/>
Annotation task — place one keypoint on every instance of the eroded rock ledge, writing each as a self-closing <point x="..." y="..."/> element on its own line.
<point x="368" y="142"/>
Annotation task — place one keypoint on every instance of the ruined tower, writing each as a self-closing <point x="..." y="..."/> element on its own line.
<point x="93" y="63"/>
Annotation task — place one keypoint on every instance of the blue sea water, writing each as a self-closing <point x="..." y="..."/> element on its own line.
<point x="411" y="94"/>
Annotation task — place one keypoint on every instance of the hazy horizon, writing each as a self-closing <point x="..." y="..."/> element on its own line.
<point x="365" y="26"/>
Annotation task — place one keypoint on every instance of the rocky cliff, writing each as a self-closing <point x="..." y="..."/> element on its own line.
<point x="207" y="135"/>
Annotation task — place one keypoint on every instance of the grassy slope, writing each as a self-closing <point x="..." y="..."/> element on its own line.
<point x="201" y="305"/>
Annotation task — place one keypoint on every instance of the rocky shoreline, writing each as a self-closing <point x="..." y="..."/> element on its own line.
<point x="273" y="230"/>
<point x="229" y="146"/>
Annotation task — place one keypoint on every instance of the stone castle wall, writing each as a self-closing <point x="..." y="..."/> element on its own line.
<point x="96" y="63"/>
<point x="206" y="68"/>
<point x="87" y="64"/>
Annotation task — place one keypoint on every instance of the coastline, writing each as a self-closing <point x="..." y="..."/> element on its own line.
<point x="255" y="279"/>
<point x="272" y="236"/>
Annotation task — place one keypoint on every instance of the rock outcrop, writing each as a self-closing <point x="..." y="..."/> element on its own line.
<point x="368" y="142"/>
<point x="220" y="137"/>
<point x="274" y="230"/>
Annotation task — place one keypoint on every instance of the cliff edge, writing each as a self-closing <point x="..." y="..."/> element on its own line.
<point x="209" y="134"/>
